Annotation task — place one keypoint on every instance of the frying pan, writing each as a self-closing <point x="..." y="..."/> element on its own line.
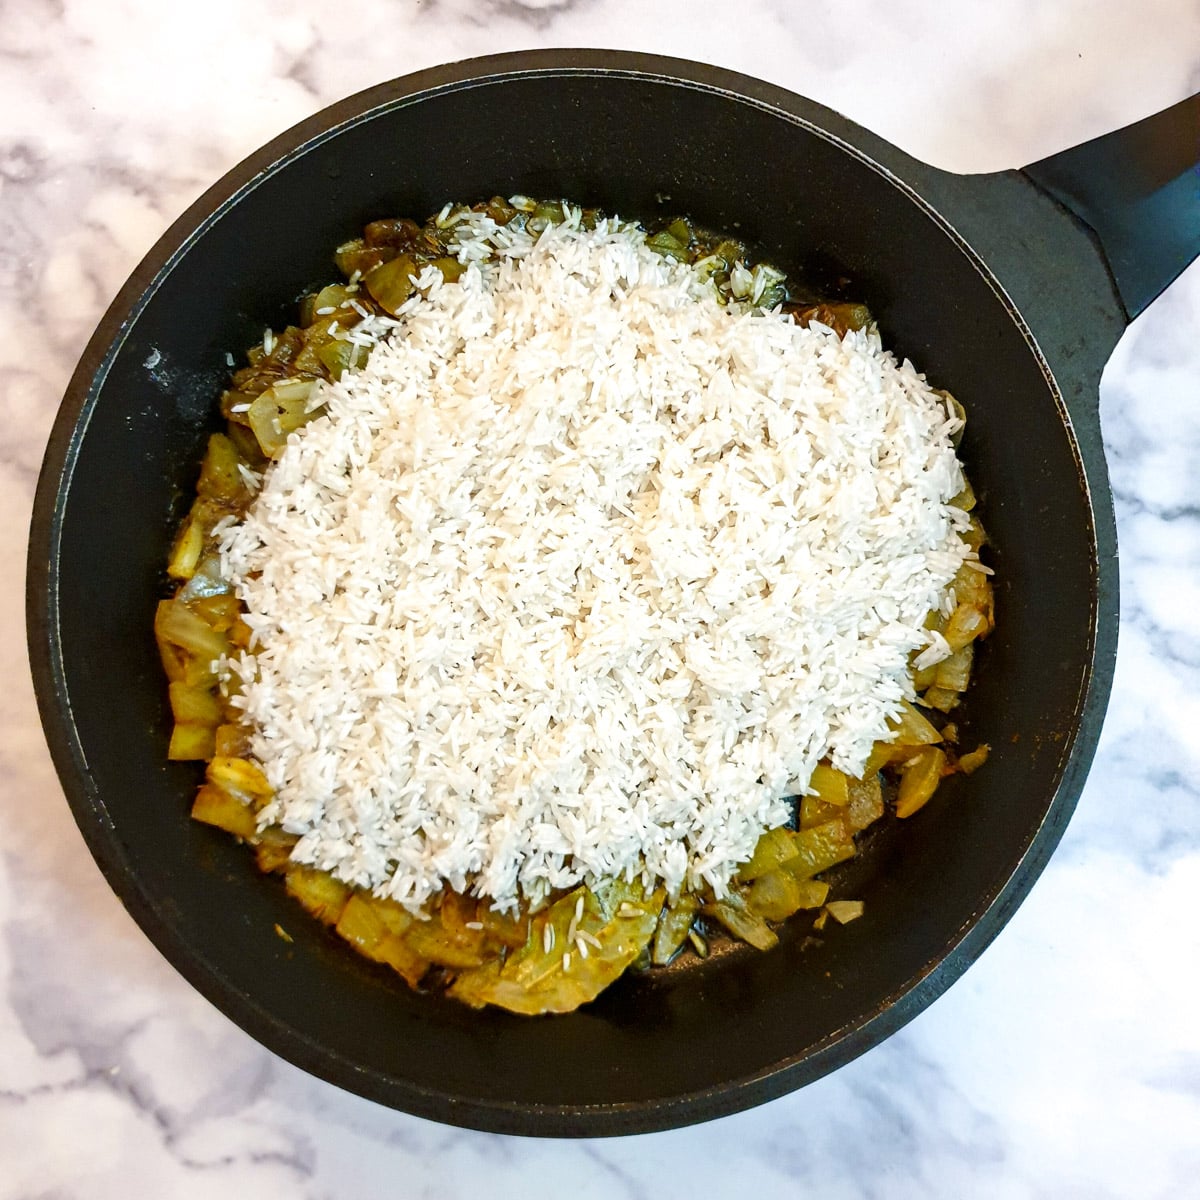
<point x="1009" y="289"/>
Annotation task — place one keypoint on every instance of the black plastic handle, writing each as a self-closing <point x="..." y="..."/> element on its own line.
<point x="1138" y="190"/>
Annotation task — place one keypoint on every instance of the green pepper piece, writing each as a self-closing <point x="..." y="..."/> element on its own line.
<point x="673" y="925"/>
<point x="391" y="283"/>
<point x="357" y="256"/>
<point x="736" y="916"/>
<point x="398" y="232"/>
<point x="668" y="245"/>
<point x="815" y="811"/>
<point x="778" y="894"/>
<point x="338" y="356"/>
<point x="499" y="210"/>
<point x="830" y="785"/>
<point x="773" y="848"/>
<point x="681" y="231"/>
<point x="819" y="848"/>
<point x="550" y="211"/>
<point x="919" y="780"/>
<point x="451" y="269"/>
<point x="220" y="478"/>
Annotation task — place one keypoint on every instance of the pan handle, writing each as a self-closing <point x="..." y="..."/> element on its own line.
<point x="1138" y="191"/>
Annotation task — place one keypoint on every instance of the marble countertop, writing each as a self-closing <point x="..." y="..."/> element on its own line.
<point x="1065" y="1063"/>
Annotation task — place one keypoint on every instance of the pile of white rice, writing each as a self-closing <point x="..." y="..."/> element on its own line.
<point x="583" y="573"/>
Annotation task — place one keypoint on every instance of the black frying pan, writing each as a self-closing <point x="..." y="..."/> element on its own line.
<point x="1009" y="289"/>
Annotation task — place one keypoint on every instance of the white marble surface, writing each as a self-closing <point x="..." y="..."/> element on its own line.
<point x="1065" y="1064"/>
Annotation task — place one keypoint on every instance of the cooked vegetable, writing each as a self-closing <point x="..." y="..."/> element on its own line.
<point x="196" y="705"/>
<point x="190" y="741"/>
<point x="674" y="924"/>
<point x="318" y="891"/>
<point x="673" y="241"/>
<point x="280" y="410"/>
<point x="966" y="623"/>
<point x="774" y="848"/>
<point x="735" y="914"/>
<point x="830" y="786"/>
<point x="189" y="545"/>
<point x="178" y="625"/>
<point x="954" y="673"/>
<point x="216" y="807"/>
<point x="220" y="476"/>
<point x="866" y="802"/>
<point x="338" y="357"/>
<point x="377" y="932"/>
<point x="973" y="761"/>
<point x="273" y="849"/>
<point x="240" y="778"/>
<point x="203" y="589"/>
<point x="841" y="318"/>
<point x="231" y="741"/>
<point x="819" y="848"/>
<point x="912" y="729"/>
<point x="966" y="498"/>
<point x="504" y="929"/>
<point x="843" y="911"/>
<point x="452" y="937"/>
<point x="816" y="812"/>
<point x="919" y="779"/>
<point x="940" y="698"/>
<point x="565" y="953"/>
<point x="778" y="894"/>
<point x="593" y="937"/>
<point x="391" y="283"/>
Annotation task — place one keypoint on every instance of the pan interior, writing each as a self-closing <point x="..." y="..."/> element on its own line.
<point x="652" y="1051"/>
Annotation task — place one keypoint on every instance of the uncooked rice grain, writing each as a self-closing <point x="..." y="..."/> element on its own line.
<point x="582" y="574"/>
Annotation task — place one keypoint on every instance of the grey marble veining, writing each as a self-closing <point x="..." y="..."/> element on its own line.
<point x="1066" y="1063"/>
